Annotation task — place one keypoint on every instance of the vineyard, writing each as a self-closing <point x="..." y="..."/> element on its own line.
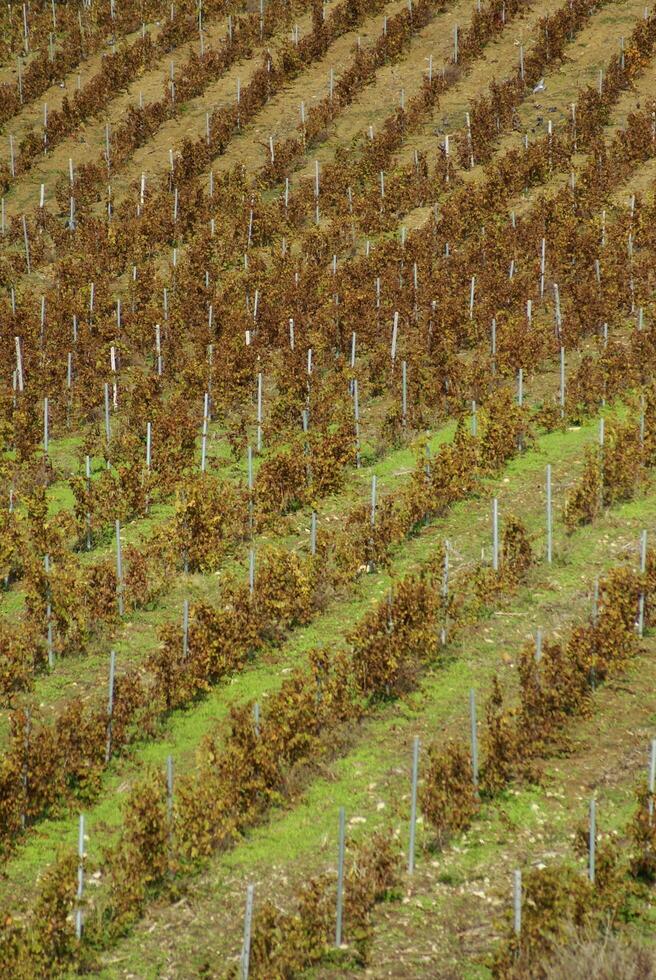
<point x="327" y="489"/>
